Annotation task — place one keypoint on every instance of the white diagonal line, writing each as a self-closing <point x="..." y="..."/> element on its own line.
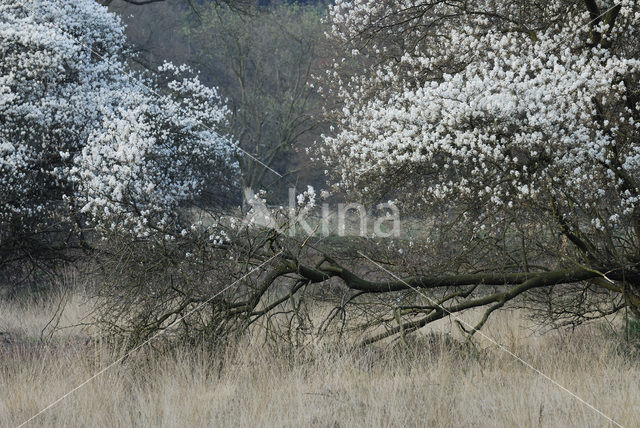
<point x="120" y="359"/>
<point x="502" y="347"/>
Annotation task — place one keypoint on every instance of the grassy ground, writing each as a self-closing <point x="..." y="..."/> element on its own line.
<point x="429" y="382"/>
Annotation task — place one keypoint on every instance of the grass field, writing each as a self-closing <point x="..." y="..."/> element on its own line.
<point x="431" y="381"/>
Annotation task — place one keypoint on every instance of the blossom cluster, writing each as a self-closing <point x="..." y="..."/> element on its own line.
<point x="476" y="102"/>
<point x="84" y="136"/>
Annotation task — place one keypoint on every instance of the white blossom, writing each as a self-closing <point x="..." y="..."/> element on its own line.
<point x="482" y="108"/>
<point x="83" y="134"/>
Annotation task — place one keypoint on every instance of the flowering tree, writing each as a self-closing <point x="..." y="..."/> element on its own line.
<point x="516" y="124"/>
<point x="87" y="144"/>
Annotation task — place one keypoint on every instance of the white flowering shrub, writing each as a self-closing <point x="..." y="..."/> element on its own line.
<point x="86" y="141"/>
<point x="499" y="105"/>
<point x="513" y="127"/>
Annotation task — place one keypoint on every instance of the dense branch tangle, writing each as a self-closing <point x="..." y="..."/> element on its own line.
<point x="463" y="292"/>
<point x="405" y="305"/>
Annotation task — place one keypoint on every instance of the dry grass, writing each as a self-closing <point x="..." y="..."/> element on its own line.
<point x="427" y="383"/>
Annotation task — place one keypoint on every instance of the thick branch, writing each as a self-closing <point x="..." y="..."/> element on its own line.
<point x="498" y="299"/>
<point x="355" y="282"/>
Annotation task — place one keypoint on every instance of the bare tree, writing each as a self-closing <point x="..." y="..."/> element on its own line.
<point x="263" y="62"/>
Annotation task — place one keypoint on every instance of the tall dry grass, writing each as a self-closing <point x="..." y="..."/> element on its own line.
<point x="431" y="381"/>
